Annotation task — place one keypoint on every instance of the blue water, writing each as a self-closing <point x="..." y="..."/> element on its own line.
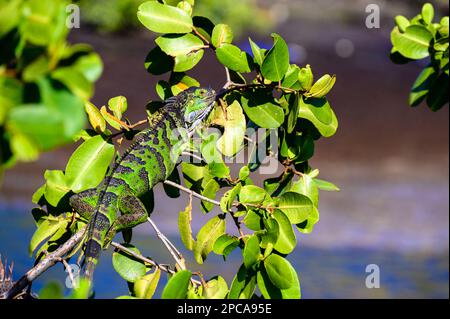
<point x="324" y="273"/>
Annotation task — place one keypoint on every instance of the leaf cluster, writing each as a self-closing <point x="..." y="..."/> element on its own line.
<point x="419" y="38"/>
<point x="44" y="80"/>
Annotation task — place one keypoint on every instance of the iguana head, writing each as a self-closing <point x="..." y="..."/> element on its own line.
<point x="195" y="104"/>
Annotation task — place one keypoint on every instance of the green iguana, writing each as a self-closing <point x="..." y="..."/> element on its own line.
<point x="115" y="205"/>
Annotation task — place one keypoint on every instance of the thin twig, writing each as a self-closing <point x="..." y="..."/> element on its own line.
<point x="170" y="247"/>
<point x="197" y="195"/>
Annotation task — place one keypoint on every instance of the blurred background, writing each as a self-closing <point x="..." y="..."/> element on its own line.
<point x="390" y="161"/>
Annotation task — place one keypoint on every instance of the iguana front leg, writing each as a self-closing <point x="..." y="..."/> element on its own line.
<point x="84" y="203"/>
<point x="133" y="213"/>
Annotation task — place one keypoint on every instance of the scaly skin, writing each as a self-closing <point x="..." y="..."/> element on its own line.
<point x="115" y="204"/>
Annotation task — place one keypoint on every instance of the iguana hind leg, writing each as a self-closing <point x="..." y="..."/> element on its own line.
<point x="133" y="213"/>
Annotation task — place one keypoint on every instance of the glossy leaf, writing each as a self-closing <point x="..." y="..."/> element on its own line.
<point x="96" y="120"/>
<point x="325" y="185"/>
<point x="222" y="34"/>
<point x="207" y="236"/>
<point x="427" y="13"/>
<point x="258" y="53"/>
<point x="128" y="267"/>
<point x="278" y="270"/>
<point x="243" y="284"/>
<point x="262" y="109"/>
<point x="225" y="244"/>
<point x="145" y="287"/>
<point x="233" y="58"/>
<point x="251" y="252"/>
<point x="56" y="186"/>
<point x="163" y="18"/>
<point x="414" y="43"/>
<point x="297" y="207"/>
<point x="319" y="112"/>
<point x="177" y="286"/>
<point x="276" y="63"/>
<point x="176" y="45"/>
<point x="215" y="288"/>
<point x="186" y="62"/>
<point x="252" y="194"/>
<point x="88" y="164"/>
<point x="118" y="105"/>
<point x="286" y="238"/>
<point x="46" y="229"/>
<point x="306" y="78"/>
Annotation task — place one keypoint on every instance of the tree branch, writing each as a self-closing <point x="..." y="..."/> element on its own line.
<point x="50" y="260"/>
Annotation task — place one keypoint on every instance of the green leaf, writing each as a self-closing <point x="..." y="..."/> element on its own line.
<point x="75" y="81"/>
<point x="307" y="226"/>
<point x="215" y="288"/>
<point x="252" y="220"/>
<point x="118" y="105"/>
<point x="279" y="272"/>
<point x="319" y="112"/>
<point x="177" y="286"/>
<point x="207" y="236"/>
<point x="286" y="241"/>
<point x="291" y="77"/>
<point x="427" y="13"/>
<point x="47" y="228"/>
<point x="184" y="225"/>
<point x="244" y="172"/>
<point x="322" y="87"/>
<point x="293" y="111"/>
<point x="276" y="63"/>
<point x="326" y="186"/>
<point x="297" y="207"/>
<point x="401" y="22"/>
<point x="233" y="58"/>
<point x="145" y="287"/>
<point x="235" y="125"/>
<point x="176" y="45"/>
<point x="210" y="190"/>
<point x="128" y="267"/>
<point x="82" y="291"/>
<point x="96" y="120"/>
<point x="422" y="85"/>
<point x="180" y="82"/>
<point x="225" y="244"/>
<point x="91" y="66"/>
<point x="243" y="285"/>
<point x="186" y="62"/>
<point x="36" y="69"/>
<point x="252" y="194"/>
<point x="227" y="199"/>
<point x="306" y="185"/>
<point x="262" y="109"/>
<point x="56" y="186"/>
<point x="258" y="53"/>
<point x="270" y="291"/>
<point x="213" y="157"/>
<point x="52" y="290"/>
<point x="414" y="43"/>
<point x="9" y="15"/>
<point x="270" y="237"/>
<point x="163" y="18"/>
<point x="251" y="252"/>
<point x="88" y="164"/>
<point x="222" y="34"/>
